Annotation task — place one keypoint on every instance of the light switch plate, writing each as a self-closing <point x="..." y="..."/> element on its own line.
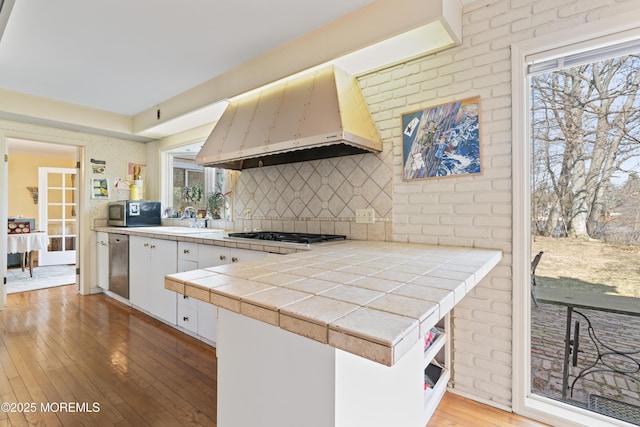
<point x="247" y="213"/>
<point x="365" y="216"/>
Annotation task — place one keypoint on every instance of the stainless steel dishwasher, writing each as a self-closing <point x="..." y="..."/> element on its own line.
<point x="119" y="264"/>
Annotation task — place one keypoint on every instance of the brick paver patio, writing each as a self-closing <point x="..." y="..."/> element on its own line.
<point x="547" y="352"/>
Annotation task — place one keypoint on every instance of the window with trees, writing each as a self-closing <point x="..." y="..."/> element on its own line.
<point x="187" y="174"/>
<point x="201" y="188"/>
<point x="586" y="130"/>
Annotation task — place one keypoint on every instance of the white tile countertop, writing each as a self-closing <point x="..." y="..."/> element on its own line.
<point x="372" y="299"/>
<point x="205" y="236"/>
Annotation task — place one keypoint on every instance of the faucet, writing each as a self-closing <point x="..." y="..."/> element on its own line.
<point x="186" y="216"/>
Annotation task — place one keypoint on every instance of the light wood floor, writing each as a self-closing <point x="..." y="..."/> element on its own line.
<point x="58" y="347"/>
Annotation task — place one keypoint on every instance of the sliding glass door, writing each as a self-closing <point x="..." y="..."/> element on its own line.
<point x="577" y="176"/>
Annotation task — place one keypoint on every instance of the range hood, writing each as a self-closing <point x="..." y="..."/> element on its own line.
<point x="318" y="115"/>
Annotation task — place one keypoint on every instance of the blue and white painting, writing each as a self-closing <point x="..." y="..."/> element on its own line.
<point x="442" y="141"/>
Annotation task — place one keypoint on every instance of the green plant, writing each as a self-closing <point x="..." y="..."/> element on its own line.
<point x="217" y="201"/>
<point x="192" y="194"/>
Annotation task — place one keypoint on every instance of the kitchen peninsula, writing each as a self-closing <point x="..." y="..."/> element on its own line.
<point x="336" y="335"/>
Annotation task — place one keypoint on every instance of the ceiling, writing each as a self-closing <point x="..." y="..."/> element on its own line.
<point x="126" y="57"/>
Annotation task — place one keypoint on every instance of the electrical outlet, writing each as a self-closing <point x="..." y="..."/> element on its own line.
<point x="247" y="213"/>
<point x="365" y="216"/>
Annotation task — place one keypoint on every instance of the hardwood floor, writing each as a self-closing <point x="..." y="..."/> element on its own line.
<point x="57" y="347"/>
<point x="456" y="411"/>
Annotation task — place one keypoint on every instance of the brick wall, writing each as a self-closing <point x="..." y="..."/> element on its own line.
<point x="473" y="210"/>
<point x="464" y="211"/>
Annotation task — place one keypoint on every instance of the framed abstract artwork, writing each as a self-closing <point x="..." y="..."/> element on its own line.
<point x="443" y="140"/>
<point x="99" y="188"/>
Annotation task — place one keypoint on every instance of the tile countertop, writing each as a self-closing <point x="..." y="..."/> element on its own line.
<point x="372" y="299"/>
<point x="205" y="236"/>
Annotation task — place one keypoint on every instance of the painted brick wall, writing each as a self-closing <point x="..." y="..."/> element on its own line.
<point x="474" y="210"/>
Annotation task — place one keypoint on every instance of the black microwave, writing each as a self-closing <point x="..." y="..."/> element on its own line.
<point x="134" y="213"/>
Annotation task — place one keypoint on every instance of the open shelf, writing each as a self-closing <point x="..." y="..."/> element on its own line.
<point x="433" y="396"/>
<point x="438" y="354"/>
<point x="431" y="351"/>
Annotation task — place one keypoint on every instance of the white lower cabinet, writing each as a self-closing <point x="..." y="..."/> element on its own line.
<point x="188" y="313"/>
<point x="149" y="261"/>
<point x="207" y="320"/>
<point x="212" y="256"/>
<point x="102" y="256"/>
<point x="200" y="317"/>
<point x="187" y="307"/>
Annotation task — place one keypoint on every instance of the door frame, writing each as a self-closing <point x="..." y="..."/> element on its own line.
<point x="83" y="254"/>
<point x="4" y="199"/>
<point x="590" y="35"/>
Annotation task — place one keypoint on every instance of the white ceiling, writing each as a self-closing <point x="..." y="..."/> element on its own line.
<point x="125" y="56"/>
<point x="129" y="56"/>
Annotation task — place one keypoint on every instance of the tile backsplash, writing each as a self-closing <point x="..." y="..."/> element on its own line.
<point x="319" y="196"/>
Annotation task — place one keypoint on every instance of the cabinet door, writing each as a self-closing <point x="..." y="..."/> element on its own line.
<point x="163" y="261"/>
<point x="188" y="315"/>
<point x="207" y="321"/>
<point x="139" y="279"/>
<point x="211" y="256"/>
<point x="102" y="259"/>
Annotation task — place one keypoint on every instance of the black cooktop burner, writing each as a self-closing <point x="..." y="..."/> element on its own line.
<point x="288" y="237"/>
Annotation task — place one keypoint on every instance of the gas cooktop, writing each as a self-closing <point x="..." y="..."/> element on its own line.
<point x="277" y="236"/>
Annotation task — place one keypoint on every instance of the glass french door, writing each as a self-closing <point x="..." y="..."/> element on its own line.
<point x="57" y="214"/>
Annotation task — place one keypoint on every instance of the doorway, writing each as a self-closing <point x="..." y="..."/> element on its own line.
<point x="44" y="207"/>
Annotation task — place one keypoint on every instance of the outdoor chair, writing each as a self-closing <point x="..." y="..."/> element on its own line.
<point x="534" y="264"/>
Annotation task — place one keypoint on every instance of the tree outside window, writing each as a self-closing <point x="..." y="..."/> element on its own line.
<point x="201" y="188"/>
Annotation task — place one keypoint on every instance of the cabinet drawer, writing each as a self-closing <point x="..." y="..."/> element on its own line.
<point x="188" y="251"/>
<point x="243" y="255"/>
<point x="211" y="256"/>
<point x="187" y="301"/>
<point x="188" y="318"/>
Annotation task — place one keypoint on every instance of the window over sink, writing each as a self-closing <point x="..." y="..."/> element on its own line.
<point x="191" y="184"/>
